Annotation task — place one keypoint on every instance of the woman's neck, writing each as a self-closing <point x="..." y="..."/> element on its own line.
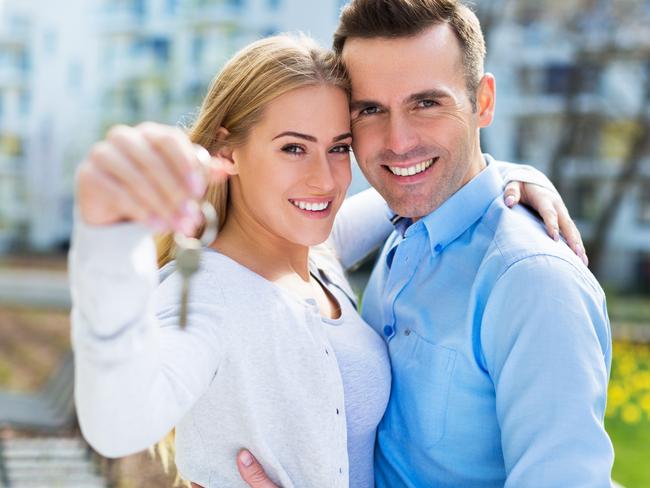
<point x="253" y="245"/>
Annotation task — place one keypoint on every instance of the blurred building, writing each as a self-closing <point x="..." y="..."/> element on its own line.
<point x="14" y="105"/>
<point x="573" y="97"/>
<point x="70" y="70"/>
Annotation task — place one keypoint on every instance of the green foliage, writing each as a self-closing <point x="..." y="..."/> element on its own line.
<point x="628" y="413"/>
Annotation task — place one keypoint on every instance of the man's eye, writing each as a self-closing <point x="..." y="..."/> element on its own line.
<point x="427" y="103"/>
<point x="293" y="149"/>
<point x="369" y="111"/>
<point x="341" y="149"/>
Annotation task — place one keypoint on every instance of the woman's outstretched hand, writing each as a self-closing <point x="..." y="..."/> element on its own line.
<point x="151" y="173"/>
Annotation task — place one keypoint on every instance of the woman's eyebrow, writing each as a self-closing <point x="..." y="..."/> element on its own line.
<point x="342" y="136"/>
<point x="307" y="137"/>
<point x="296" y="134"/>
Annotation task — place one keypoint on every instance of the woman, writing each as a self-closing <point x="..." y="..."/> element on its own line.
<point x="275" y="356"/>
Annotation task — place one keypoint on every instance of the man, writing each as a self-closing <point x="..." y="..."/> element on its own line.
<point x="498" y="337"/>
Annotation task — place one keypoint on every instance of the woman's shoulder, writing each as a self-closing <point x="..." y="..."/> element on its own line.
<point x="219" y="279"/>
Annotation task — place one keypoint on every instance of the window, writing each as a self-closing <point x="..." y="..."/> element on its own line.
<point x="198" y="45"/>
<point x="643" y="276"/>
<point x="274" y="4"/>
<point x="526" y="131"/>
<point x="644" y="203"/>
<point x="160" y="48"/>
<point x="561" y="78"/>
<point x="584" y="199"/>
<point x="558" y="79"/>
<point x="25" y="103"/>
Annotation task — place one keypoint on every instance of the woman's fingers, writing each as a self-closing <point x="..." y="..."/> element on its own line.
<point x="549" y="215"/>
<point x="551" y="208"/>
<point x="571" y="233"/>
<point x="160" y="170"/>
<point x="102" y="200"/>
<point x="116" y="165"/>
<point x="157" y="168"/>
<point x="179" y="153"/>
<point x="512" y="193"/>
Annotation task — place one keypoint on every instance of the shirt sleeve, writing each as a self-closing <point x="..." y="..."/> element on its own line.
<point x="524" y="173"/>
<point x="547" y="346"/>
<point x="136" y="372"/>
<point x="361" y="226"/>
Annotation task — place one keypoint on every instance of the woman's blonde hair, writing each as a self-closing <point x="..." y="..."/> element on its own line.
<point x="256" y="75"/>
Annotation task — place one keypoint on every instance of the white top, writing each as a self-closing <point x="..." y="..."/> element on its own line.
<point x="256" y="367"/>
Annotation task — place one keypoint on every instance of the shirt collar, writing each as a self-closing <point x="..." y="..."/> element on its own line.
<point x="445" y="224"/>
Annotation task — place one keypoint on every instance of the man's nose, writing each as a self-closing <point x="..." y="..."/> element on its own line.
<point x="401" y="137"/>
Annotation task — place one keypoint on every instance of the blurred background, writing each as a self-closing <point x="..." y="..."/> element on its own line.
<point x="573" y="82"/>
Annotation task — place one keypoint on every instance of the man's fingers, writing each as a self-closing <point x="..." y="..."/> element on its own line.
<point x="512" y="193"/>
<point x="252" y="472"/>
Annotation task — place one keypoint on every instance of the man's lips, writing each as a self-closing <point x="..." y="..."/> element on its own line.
<point x="410" y="169"/>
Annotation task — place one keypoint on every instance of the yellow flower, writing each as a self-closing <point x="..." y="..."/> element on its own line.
<point x="645" y="402"/>
<point x="617" y="395"/>
<point x="631" y="414"/>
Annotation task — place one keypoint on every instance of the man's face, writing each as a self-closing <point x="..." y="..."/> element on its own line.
<point x="415" y="134"/>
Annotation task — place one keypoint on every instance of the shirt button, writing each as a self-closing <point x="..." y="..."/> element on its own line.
<point x="438" y="248"/>
<point x="388" y="330"/>
<point x="407" y="332"/>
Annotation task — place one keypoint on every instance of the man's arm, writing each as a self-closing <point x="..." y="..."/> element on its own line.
<point x="546" y="344"/>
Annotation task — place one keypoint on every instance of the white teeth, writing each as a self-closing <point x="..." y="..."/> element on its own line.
<point x="411" y="170"/>
<point x="312" y="207"/>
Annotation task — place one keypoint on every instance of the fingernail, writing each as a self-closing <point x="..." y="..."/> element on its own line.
<point x="202" y="154"/>
<point x="245" y="458"/>
<point x="578" y="250"/>
<point x="510" y="200"/>
<point x="196" y="184"/>
<point x="556" y="235"/>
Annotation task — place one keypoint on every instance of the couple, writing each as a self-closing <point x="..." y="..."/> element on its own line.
<point x="496" y="337"/>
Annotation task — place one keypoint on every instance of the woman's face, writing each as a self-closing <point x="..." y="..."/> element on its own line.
<point x="294" y="169"/>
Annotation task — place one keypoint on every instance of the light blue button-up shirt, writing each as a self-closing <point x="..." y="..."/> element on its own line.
<point x="500" y="348"/>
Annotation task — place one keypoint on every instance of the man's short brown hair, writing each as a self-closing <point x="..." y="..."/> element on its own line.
<point x="405" y="18"/>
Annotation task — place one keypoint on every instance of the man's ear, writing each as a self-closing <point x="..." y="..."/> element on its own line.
<point x="225" y="153"/>
<point x="486" y="97"/>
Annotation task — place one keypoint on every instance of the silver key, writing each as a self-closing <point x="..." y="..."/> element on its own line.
<point x="188" y="255"/>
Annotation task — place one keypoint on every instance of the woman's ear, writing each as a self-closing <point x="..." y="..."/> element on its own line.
<point x="225" y="153"/>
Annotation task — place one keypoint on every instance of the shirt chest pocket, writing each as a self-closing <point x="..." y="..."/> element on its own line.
<point x="422" y="374"/>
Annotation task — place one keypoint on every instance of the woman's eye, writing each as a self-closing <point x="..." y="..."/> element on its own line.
<point x="342" y="149"/>
<point x="293" y="149"/>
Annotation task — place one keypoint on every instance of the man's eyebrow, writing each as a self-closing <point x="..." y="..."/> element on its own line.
<point x="428" y="94"/>
<point x="296" y="134"/>
<point x="359" y="104"/>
